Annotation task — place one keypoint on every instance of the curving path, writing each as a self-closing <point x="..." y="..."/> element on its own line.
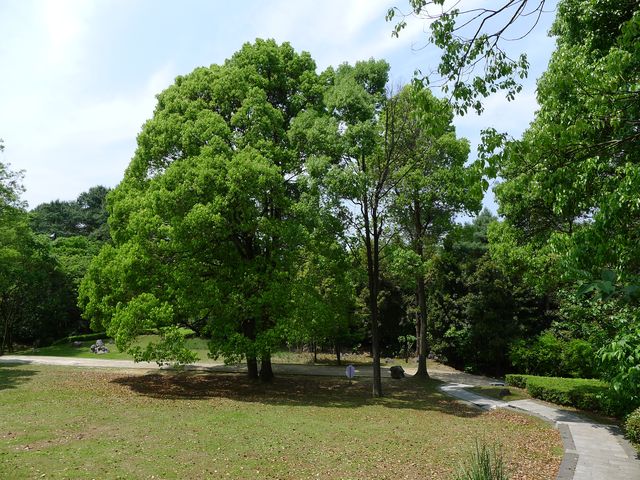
<point x="593" y="451"/>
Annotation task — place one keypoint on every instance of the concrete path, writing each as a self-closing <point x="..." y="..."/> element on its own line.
<point x="278" y="368"/>
<point x="592" y="451"/>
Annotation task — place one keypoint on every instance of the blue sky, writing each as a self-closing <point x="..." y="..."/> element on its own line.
<point x="79" y="77"/>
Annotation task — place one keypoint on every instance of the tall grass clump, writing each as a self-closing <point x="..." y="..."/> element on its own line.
<point x="486" y="464"/>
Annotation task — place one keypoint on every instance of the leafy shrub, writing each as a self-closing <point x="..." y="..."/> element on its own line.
<point x="517" y="380"/>
<point x="542" y="357"/>
<point x="632" y="426"/>
<point x="579" y="359"/>
<point x="552" y="356"/>
<point x="486" y="464"/>
<point x="621" y="366"/>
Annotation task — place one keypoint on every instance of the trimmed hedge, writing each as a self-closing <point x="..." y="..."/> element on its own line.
<point x="517" y="380"/>
<point x="585" y="394"/>
<point x="632" y="426"/>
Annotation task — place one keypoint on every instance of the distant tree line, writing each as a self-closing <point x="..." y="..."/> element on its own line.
<point x="44" y="254"/>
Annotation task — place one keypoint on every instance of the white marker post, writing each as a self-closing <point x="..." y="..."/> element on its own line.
<point x="350" y="372"/>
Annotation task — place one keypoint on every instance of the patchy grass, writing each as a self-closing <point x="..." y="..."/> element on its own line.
<point x="81" y="423"/>
<point x="498" y="393"/>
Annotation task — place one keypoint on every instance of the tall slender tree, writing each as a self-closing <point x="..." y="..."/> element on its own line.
<point x="438" y="187"/>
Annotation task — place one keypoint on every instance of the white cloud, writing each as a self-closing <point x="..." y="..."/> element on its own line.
<point x="90" y="143"/>
<point x="335" y="31"/>
<point x="66" y="24"/>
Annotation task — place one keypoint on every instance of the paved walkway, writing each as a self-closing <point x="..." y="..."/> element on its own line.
<point x="592" y="451"/>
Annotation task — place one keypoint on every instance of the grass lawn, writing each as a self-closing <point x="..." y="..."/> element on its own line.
<point x="62" y="422"/>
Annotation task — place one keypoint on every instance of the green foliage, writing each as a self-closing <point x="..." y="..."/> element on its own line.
<point x="621" y="364"/>
<point x="548" y="355"/>
<point x="632" y="426"/>
<point x="486" y="464"/>
<point x="74" y="254"/>
<point x="572" y="180"/>
<point x="170" y="350"/>
<point x="86" y="216"/>
<point x="471" y="40"/>
<point x="324" y="293"/>
<point x="34" y="294"/>
<point x="580" y="393"/>
<point x="407" y="345"/>
<point x="477" y="307"/>
<point x="210" y="222"/>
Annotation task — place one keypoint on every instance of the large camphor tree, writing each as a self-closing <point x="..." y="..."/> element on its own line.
<point x="209" y="222"/>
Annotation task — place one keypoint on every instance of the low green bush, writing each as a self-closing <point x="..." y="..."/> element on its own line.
<point x="582" y="393"/>
<point x="517" y="380"/>
<point x="632" y="426"/>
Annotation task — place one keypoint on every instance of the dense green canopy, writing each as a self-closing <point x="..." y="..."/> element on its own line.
<point x="209" y="219"/>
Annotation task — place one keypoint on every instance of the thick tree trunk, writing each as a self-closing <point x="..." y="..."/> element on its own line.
<point x="266" y="371"/>
<point x="337" y="347"/>
<point x="423" y="347"/>
<point x="252" y="367"/>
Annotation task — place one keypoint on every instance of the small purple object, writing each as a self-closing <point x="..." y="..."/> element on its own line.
<point x="351" y="371"/>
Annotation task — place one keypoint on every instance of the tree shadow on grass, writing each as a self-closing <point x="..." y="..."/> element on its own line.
<point x="13" y="375"/>
<point x="296" y="390"/>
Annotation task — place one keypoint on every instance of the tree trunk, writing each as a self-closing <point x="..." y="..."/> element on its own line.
<point x="337" y="346"/>
<point x="315" y="352"/>
<point x="249" y="331"/>
<point x="375" y="333"/>
<point x="423" y="347"/>
<point x="252" y="367"/>
<point x="417" y="333"/>
<point x="266" y="371"/>
<point x="373" y="274"/>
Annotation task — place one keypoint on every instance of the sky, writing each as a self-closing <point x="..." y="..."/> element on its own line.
<point x="78" y="78"/>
